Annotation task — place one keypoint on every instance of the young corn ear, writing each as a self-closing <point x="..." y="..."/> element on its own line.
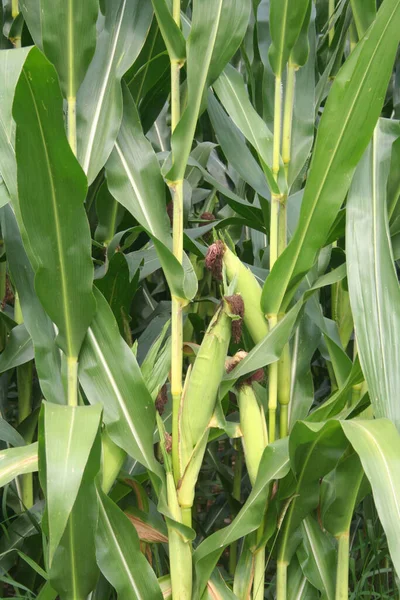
<point x="200" y="395"/>
<point x="253" y="427"/>
<point x="219" y="255"/>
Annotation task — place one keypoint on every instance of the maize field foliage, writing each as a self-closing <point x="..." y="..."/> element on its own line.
<point x="200" y="305"/>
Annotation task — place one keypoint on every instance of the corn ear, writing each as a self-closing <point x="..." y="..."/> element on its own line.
<point x="253" y="427"/>
<point x="248" y="288"/>
<point x="208" y="369"/>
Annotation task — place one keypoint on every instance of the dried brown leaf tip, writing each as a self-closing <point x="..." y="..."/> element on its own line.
<point x="236" y="305"/>
<point x="215" y="254"/>
<point x="161" y="400"/>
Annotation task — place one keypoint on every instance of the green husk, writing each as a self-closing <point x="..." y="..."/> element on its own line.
<point x="253" y="427"/>
<point x="248" y="288"/>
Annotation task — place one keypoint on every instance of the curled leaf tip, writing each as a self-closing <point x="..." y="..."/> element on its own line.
<point x="214" y="258"/>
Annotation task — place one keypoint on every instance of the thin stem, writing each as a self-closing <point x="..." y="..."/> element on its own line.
<point x="281" y="581"/>
<point x="288" y="117"/>
<point x="342" y="573"/>
<point x="330" y="21"/>
<point x="283" y="420"/>
<point x="177" y="235"/>
<point x="72" y="381"/>
<point x="236" y="491"/>
<point x="71" y="122"/>
<point x="187" y="516"/>
<point x="272" y="392"/>
<point x="259" y="567"/>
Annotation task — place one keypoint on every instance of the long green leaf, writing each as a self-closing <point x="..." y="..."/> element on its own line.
<point x="99" y="101"/>
<point x="378" y="445"/>
<point x="17" y="461"/>
<point x="11" y="63"/>
<point x="172" y="35"/>
<point x="69" y="39"/>
<point x="52" y="188"/>
<point x="317" y="556"/>
<point x="134" y="178"/>
<point x="110" y="375"/>
<point x="119" y="556"/>
<point x="66" y="437"/>
<point x="286" y="20"/>
<point x="373" y="285"/>
<point x="218" y="27"/>
<point x="233" y="95"/>
<point x="346" y="126"/>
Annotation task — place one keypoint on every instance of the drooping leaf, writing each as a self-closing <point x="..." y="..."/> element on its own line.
<point x="232" y="93"/>
<point x="18" y="461"/>
<point x="134" y="178"/>
<point x="364" y="12"/>
<point x="119" y="555"/>
<point x="218" y="27"/>
<point x="373" y="284"/>
<point x="110" y="375"/>
<point x="10" y="435"/>
<point x="346" y="126"/>
<point x="99" y="101"/>
<point x="19" y="349"/>
<point x="39" y="325"/>
<point x="52" y="188"/>
<point x="68" y="31"/>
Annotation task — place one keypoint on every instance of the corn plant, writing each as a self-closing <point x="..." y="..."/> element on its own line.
<point x="200" y="306"/>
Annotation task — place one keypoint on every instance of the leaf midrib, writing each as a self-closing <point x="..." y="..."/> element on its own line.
<point x="59" y="238"/>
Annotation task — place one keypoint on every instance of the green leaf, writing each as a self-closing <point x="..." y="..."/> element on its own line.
<point x="39" y="325"/>
<point x="11" y="63"/>
<point x="69" y="39"/>
<point x="298" y="587"/>
<point x="134" y="179"/>
<point x="18" y="461"/>
<point x="33" y="18"/>
<point x="274" y="465"/>
<point x="364" y="13"/>
<point x="317" y="557"/>
<point x="372" y="278"/>
<point x="10" y="435"/>
<point x="172" y="35"/>
<point x="66" y="438"/>
<point x="52" y="188"/>
<point x="119" y="556"/>
<point x="346" y="126"/>
<point x="218" y="27"/>
<point x="314" y="451"/>
<point x="341" y="491"/>
<point x="286" y="19"/>
<point x="233" y="95"/>
<point x="99" y="101"/>
<point x="19" y="349"/>
<point x="74" y="570"/>
<point x="378" y="445"/>
<point x="109" y="374"/>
